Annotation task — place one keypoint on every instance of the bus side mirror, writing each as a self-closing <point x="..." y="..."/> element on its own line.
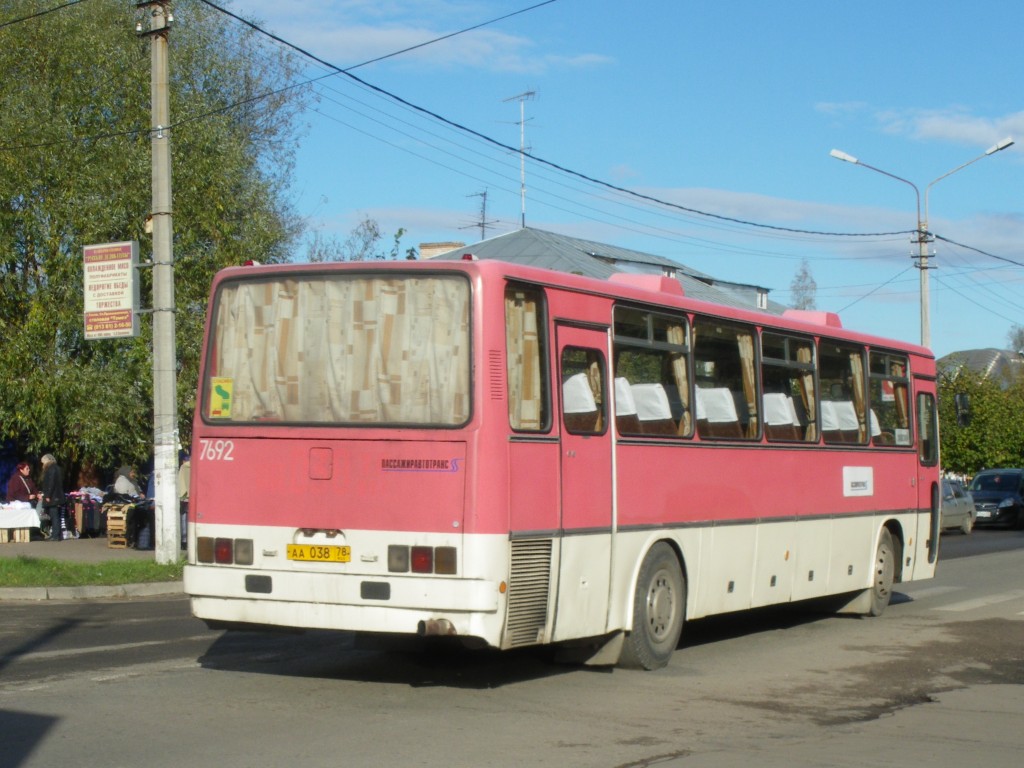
<point x="962" y="401"/>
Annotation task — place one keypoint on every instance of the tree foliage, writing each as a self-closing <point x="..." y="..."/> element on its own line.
<point x="362" y="244"/>
<point x="803" y="289"/>
<point x="994" y="436"/>
<point x="1015" y="338"/>
<point x="75" y="170"/>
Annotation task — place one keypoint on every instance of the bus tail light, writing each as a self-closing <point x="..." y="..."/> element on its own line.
<point x="224" y="551"/>
<point x="204" y="549"/>
<point x="422" y="559"/>
<point x="444" y="560"/>
<point x="243" y="551"/>
<point x="398" y="559"/>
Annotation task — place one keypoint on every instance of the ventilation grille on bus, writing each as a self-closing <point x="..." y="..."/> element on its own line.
<point x="496" y="366"/>
<point x="528" y="591"/>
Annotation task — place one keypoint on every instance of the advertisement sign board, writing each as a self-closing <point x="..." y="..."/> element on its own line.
<point x="111" y="290"/>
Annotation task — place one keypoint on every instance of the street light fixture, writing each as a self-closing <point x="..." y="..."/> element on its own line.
<point x="923" y="235"/>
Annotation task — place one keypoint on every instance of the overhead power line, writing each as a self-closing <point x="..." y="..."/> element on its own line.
<point x="282" y="41"/>
<point x="335" y="70"/>
<point x="978" y="250"/>
<point x="975" y="302"/>
<point x="874" y="290"/>
<point x="470" y="131"/>
<point x="40" y="13"/>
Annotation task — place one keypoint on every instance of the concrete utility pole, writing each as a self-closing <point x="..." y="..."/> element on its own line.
<point x="165" y="403"/>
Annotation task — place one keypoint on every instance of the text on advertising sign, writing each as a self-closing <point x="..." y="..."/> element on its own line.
<point x="111" y="290"/>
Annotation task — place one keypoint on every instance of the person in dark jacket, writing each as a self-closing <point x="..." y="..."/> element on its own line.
<point x="20" y="487"/>
<point x="53" y="495"/>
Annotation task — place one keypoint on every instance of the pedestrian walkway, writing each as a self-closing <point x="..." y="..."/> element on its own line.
<point x="83" y="550"/>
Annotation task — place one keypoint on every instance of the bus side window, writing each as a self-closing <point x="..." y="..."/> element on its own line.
<point x="583" y="396"/>
<point x="725" y="368"/>
<point x="652" y="384"/>
<point x="844" y="415"/>
<point x="789" y="384"/>
<point x="890" y="399"/>
<point x="525" y="356"/>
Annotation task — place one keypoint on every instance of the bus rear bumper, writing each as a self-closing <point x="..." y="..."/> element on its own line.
<point x="359" y="603"/>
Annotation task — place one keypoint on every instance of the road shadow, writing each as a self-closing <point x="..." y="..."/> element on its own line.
<point x="728" y="626"/>
<point x="413" y="662"/>
<point x="422" y="662"/>
<point x="39" y="641"/>
<point x="22" y="733"/>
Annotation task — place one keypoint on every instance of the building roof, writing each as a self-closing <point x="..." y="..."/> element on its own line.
<point x="1000" y="364"/>
<point x="549" y="250"/>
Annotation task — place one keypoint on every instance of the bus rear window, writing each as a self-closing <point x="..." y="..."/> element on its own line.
<point x="340" y="349"/>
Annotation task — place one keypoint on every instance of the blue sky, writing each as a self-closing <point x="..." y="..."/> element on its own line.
<point x="729" y="108"/>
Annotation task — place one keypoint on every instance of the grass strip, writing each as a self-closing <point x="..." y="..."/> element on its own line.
<point x="24" y="571"/>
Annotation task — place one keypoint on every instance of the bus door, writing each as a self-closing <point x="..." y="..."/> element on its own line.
<point x="586" y="482"/>
<point x="928" y="490"/>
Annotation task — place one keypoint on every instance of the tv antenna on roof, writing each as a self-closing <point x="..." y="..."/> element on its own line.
<point x="483" y="223"/>
<point x="522" y="98"/>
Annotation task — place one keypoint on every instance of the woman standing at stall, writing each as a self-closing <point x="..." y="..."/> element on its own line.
<point x="53" y="495"/>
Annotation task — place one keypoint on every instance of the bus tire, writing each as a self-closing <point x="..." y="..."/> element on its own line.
<point x="884" y="574"/>
<point x="659" y="606"/>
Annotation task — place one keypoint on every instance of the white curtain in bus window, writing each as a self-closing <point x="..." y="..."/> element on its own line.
<point x="343" y="350"/>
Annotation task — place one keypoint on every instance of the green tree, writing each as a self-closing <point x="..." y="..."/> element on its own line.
<point x="75" y="170"/>
<point x="994" y="437"/>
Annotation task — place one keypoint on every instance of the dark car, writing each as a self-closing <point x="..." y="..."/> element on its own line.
<point x="999" y="497"/>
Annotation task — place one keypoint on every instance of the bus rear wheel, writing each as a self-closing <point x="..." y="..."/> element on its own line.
<point x="885" y="574"/>
<point x="659" y="606"/>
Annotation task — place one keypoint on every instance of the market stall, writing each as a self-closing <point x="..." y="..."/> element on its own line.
<point x="17" y="520"/>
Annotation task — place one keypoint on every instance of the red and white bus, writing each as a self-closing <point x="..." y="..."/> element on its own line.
<point x="515" y="456"/>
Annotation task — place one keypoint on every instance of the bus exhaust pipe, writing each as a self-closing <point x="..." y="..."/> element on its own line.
<point x="436" y="628"/>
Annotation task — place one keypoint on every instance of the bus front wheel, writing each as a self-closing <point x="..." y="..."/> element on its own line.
<point x="885" y="574"/>
<point x="659" y="606"/>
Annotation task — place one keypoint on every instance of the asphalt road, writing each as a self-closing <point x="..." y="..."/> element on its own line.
<point x="935" y="681"/>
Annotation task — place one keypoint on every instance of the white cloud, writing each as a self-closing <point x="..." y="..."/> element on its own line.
<point x="762" y="208"/>
<point x="351" y="32"/>
<point x="954" y="124"/>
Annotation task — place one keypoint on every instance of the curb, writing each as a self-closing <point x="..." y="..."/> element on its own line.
<point x="86" y="593"/>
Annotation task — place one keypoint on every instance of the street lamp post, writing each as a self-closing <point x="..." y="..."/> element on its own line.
<point x="923" y="235"/>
